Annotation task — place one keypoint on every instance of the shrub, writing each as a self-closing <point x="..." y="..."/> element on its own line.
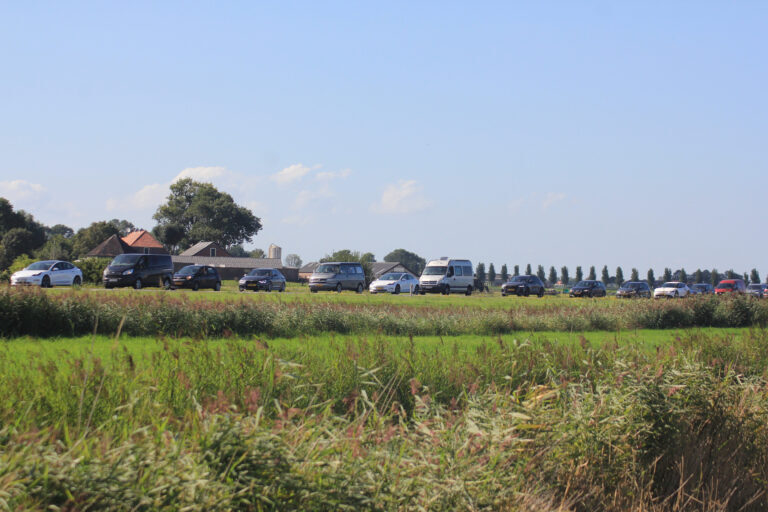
<point x="93" y="268"/>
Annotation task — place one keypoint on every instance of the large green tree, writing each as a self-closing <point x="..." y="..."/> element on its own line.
<point x="564" y="275"/>
<point x="754" y="276"/>
<point x="528" y="270"/>
<point x="410" y="259"/>
<point x="540" y="273"/>
<point x="504" y="273"/>
<point x="516" y="270"/>
<point x="619" y="276"/>
<point x="651" y="278"/>
<point x="714" y="277"/>
<point x="667" y="276"/>
<point x="634" y="275"/>
<point x="592" y="274"/>
<point x="196" y="212"/>
<point x="579" y="274"/>
<point x="605" y="277"/>
<point x="20" y="233"/>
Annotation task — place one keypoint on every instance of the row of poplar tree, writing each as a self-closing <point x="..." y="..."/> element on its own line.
<point x="699" y="276"/>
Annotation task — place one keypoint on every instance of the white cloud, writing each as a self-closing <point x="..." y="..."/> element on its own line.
<point x="290" y="174"/>
<point x="200" y="173"/>
<point x="552" y="198"/>
<point x="16" y="190"/>
<point x="403" y="197"/>
<point x="331" y="175"/>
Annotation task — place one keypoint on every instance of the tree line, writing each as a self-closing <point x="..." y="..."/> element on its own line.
<point x="552" y="277"/>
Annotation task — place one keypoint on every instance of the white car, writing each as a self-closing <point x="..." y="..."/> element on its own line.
<point x="48" y="273"/>
<point x="395" y="282"/>
<point x="672" y="290"/>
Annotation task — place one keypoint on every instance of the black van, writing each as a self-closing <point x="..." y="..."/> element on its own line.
<point x="139" y="270"/>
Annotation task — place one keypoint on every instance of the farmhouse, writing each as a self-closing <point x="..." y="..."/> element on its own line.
<point x="139" y="241"/>
<point x="210" y="249"/>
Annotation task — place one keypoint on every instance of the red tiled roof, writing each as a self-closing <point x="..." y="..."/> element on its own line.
<point x="141" y="238"/>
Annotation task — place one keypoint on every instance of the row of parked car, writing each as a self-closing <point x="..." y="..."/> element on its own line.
<point x="445" y="275"/>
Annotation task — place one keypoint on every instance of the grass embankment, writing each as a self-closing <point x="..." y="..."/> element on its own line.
<point x="600" y="421"/>
<point x="75" y="312"/>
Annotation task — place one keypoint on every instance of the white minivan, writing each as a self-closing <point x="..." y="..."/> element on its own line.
<point x="447" y="275"/>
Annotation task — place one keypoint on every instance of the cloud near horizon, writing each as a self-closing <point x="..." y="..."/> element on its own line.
<point x="16" y="190"/>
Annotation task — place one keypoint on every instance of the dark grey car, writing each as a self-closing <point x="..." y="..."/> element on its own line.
<point x="266" y="279"/>
<point x="523" y="286"/>
<point x="337" y="276"/>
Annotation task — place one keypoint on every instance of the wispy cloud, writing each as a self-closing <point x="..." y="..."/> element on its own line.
<point x="16" y="190"/>
<point x="552" y="198"/>
<point x="404" y="196"/>
<point x="332" y="175"/>
<point x="291" y="174"/>
<point x="308" y="196"/>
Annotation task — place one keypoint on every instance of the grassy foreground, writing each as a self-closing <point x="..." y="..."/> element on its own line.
<point x="670" y="420"/>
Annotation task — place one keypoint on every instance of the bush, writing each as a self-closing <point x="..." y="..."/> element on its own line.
<point x="93" y="268"/>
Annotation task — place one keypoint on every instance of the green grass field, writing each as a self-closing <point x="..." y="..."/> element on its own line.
<point x="356" y="412"/>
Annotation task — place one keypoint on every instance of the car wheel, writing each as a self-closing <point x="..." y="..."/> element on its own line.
<point x="527" y="292"/>
<point x="241" y="288"/>
<point x="397" y="289"/>
<point x="541" y="292"/>
<point x="312" y="290"/>
<point x="447" y="290"/>
<point x="76" y="281"/>
<point x="268" y="288"/>
<point x="591" y="294"/>
<point x="46" y="282"/>
<point x="469" y="290"/>
<point x="137" y="284"/>
<point x="282" y="288"/>
<point x="338" y="287"/>
<point x="503" y="294"/>
<point x="167" y="283"/>
<point x="520" y="292"/>
<point x="677" y="295"/>
<point x="416" y="290"/>
<point x="217" y="286"/>
<point x="195" y="286"/>
<point x="359" y="288"/>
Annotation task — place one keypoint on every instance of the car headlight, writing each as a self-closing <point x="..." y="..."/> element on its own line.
<point x="128" y="272"/>
<point x="262" y="281"/>
<point x="189" y="277"/>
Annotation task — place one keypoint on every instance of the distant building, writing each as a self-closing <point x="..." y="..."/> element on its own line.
<point x="208" y="249"/>
<point x="275" y="252"/>
<point x="139" y="241"/>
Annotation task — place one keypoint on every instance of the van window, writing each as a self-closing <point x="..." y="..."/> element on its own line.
<point x="468" y="270"/>
<point x="459" y="271"/>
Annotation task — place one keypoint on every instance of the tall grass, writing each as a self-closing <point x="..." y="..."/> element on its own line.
<point x="372" y="423"/>
<point x="35" y="313"/>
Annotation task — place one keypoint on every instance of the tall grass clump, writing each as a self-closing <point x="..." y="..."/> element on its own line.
<point x="78" y="312"/>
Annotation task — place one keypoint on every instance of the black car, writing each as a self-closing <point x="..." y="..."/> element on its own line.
<point x="588" y="288"/>
<point x="634" y="289"/>
<point x="702" y="289"/>
<point x="266" y="279"/>
<point x="523" y="286"/>
<point x="196" y="277"/>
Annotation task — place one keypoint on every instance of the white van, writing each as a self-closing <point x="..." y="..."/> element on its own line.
<point x="447" y="275"/>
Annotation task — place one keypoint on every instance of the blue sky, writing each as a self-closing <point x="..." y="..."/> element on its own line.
<point x="553" y="133"/>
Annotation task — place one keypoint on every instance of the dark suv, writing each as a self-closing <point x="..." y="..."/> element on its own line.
<point x="702" y="289"/>
<point x="634" y="289"/>
<point x="196" y="277"/>
<point x="523" y="286"/>
<point x="338" y="276"/>
<point x="139" y="270"/>
<point x="588" y="288"/>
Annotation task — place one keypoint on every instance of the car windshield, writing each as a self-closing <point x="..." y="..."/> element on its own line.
<point x="434" y="271"/>
<point x="725" y="285"/>
<point x="755" y="287"/>
<point x="583" y="284"/>
<point x="390" y="277"/>
<point x="189" y="270"/>
<point x="517" y="279"/>
<point x="41" y="265"/>
<point x="669" y="284"/>
<point x="259" y="272"/>
<point x="124" y="260"/>
<point x="327" y="269"/>
<point x="700" y="286"/>
<point x="631" y="286"/>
